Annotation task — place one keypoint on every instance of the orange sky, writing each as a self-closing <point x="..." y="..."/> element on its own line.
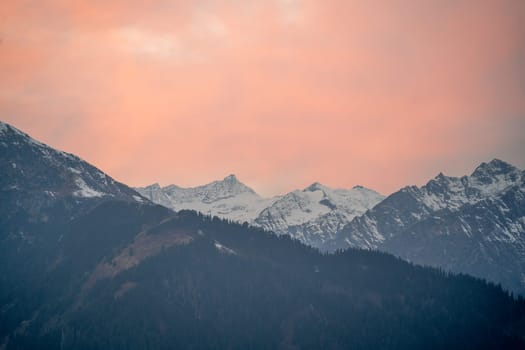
<point x="282" y="93"/>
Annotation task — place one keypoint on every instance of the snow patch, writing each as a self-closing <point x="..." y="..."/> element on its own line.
<point x="138" y="198"/>
<point x="224" y="249"/>
<point x="76" y="171"/>
<point x="85" y="191"/>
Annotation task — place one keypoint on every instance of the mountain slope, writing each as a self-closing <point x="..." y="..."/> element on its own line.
<point x="474" y="224"/>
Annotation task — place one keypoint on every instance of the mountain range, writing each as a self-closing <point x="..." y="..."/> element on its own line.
<point x="87" y="262"/>
<point x="472" y="224"/>
<point x="312" y="215"/>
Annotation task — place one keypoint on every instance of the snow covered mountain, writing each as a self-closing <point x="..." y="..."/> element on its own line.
<point x="31" y="169"/>
<point x="473" y="224"/>
<point x="227" y="199"/>
<point x="312" y="215"/>
<point x="315" y="214"/>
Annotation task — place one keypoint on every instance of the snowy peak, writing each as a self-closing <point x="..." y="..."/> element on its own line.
<point x="6" y="129"/>
<point x="471" y="224"/>
<point x="29" y="165"/>
<point x="153" y="187"/>
<point x="214" y="191"/>
<point x="314" y="214"/>
<point x="11" y="137"/>
<point x="488" y="180"/>
<point x="496" y="176"/>
<point x="410" y="205"/>
<point x="231" y="179"/>
<point x="365" y="191"/>
<point x="316" y="186"/>
<point x="227" y="198"/>
<point x="307" y="214"/>
<point x="494" y="168"/>
<point x="230" y="186"/>
<point x="485" y="173"/>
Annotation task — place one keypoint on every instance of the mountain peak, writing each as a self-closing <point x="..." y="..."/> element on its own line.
<point x="231" y="178"/>
<point x="6" y="129"/>
<point x="3" y="127"/>
<point x="26" y="160"/>
<point x="440" y="178"/>
<point x="494" y="167"/>
<point x="14" y="136"/>
<point x="154" y="186"/>
<point x="316" y="186"/>
<point x="232" y="183"/>
<point x="364" y="189"/>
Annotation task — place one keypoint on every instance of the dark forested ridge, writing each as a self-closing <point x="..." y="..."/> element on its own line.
<point x="86" y="263"/>
<point x="230" y="286"/>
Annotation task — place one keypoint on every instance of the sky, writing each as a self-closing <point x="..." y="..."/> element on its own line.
<point x="281" y="93"/>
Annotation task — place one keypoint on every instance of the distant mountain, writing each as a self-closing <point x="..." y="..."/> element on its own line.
<point x="227" y="199"/>
<point x="316" y="213"/>
<point x="473" y="224"/>
<point x="311" y="215"/>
